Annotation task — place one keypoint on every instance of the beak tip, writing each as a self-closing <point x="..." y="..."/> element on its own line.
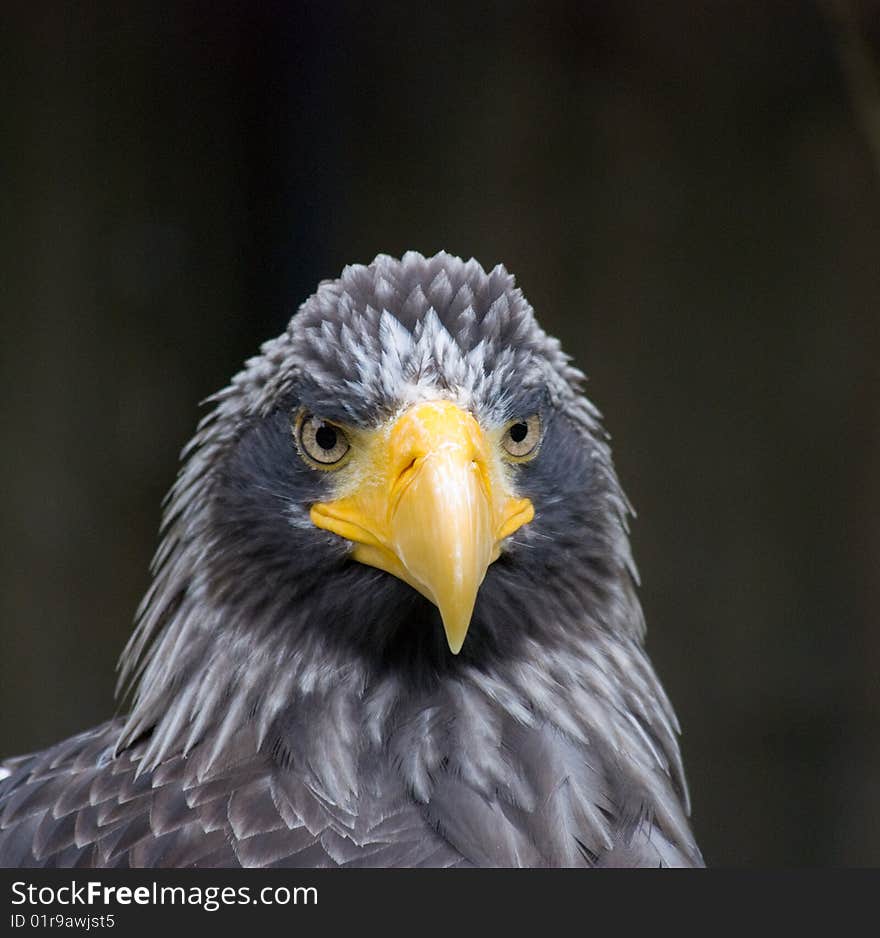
<point x="456" y="632"/>
<point x="455" y="645"/>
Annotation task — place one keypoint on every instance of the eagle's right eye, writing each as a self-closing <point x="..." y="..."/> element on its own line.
<point x="322" y="444"/>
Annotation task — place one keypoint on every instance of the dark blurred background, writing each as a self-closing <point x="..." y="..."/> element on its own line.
<point x="686" y="193"/>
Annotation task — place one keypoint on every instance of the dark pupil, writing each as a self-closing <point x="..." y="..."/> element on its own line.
<point x="518" y="432"/>
<point x="325" y="437"/>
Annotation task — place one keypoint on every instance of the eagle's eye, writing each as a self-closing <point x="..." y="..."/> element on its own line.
<point x="321" y="444"/>
<point x="522" y="437"/>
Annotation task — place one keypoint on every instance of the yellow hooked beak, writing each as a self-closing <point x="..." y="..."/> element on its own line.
<point x="427" y="502"/>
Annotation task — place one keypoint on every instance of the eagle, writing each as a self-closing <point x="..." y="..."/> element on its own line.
<point x="392" y="621"/>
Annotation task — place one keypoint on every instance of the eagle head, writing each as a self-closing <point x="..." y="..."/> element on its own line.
<point x="407" y="482"/>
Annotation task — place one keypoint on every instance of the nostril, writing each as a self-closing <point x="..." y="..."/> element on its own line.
<point x="405" y="476"/>
<point x="402" y="483"/>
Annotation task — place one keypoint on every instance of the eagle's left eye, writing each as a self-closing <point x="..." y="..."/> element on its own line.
<point x="321" y="443"/>
<point x="522" y="437"/>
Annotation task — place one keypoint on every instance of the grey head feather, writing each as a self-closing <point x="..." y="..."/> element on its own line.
<point x="256" y="618"/>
